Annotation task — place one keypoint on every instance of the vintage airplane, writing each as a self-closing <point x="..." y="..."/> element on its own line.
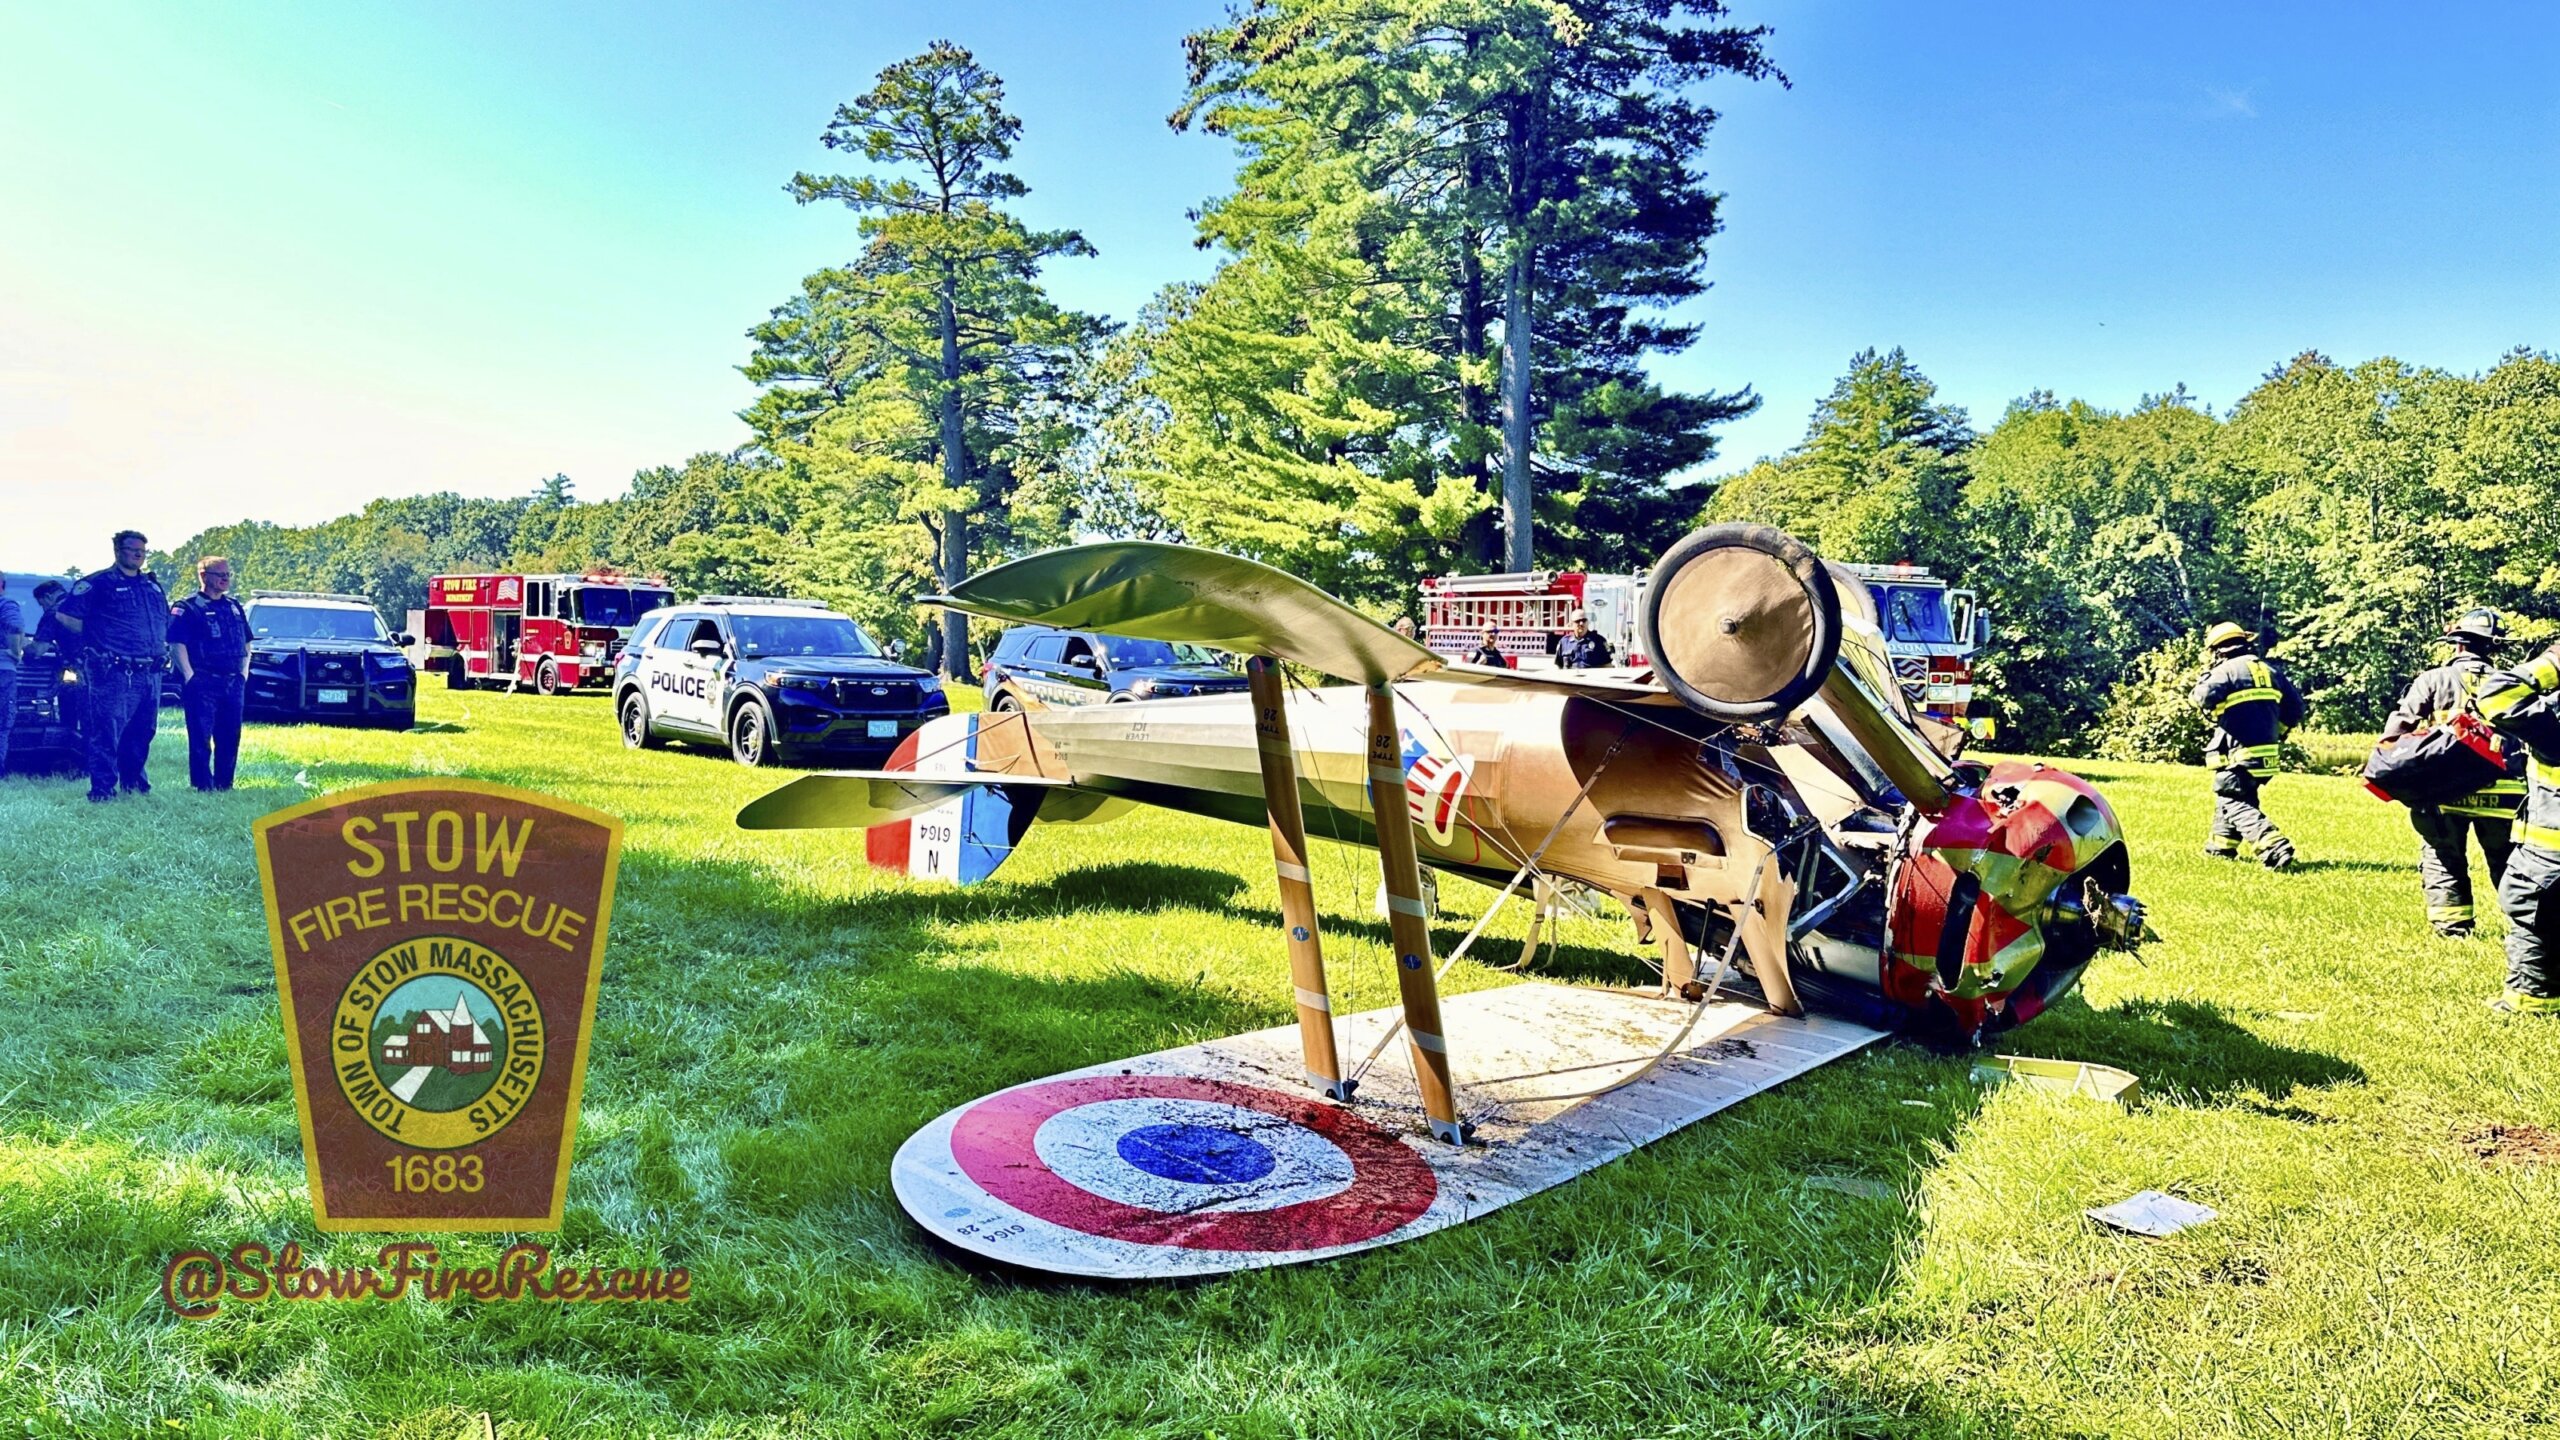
<point x="1765" y="799"/>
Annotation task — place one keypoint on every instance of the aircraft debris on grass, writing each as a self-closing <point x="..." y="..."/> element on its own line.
<point x="1815" y="864"/>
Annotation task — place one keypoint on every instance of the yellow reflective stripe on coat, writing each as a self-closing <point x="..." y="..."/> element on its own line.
<point x="2244" y="697"/>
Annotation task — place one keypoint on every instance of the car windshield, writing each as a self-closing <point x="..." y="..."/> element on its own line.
<point x="271" y="621"/>
<point x="1125" y="653"/>
<point x="770" y="635"/>
<point x="1914" y="615"/>
<point x="616" y="605"/>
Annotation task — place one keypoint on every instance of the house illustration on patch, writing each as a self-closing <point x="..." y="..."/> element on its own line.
<point x="450" y="1039"/>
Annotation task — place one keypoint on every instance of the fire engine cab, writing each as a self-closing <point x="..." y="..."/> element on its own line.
<point x="1931" y="630"/>
<point x="552" y="632"/>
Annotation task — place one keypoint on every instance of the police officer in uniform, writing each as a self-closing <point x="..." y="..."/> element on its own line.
<point x="121" y="616"/>
<point x="211" y="633"/>
<point x="2251" y="704"/>
<point x="2444" y="858"/>
<point x="49" y="627"/>
<point x="2524" y="704"/>
<point x="1584" y="649"/>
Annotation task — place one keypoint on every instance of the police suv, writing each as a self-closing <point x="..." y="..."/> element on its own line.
<point x="775" y="680"/>
<point x="327" y="658"/>
<point x="45" y="733"/>
<point x="1034" y="666"/>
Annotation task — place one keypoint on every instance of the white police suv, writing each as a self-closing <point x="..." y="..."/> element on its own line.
<point x="775" y="680"/>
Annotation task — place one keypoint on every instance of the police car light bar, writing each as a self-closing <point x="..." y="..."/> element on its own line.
<point x="792" y="600"/>
<point x="310" y="595"/>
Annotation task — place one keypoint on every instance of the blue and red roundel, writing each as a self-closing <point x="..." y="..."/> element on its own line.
<point x="1176" y="1160"/>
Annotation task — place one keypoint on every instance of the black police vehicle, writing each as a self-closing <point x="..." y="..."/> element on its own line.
<point x="774" y="680"/>
<point x="1034" y="664"/>
<point x="45" y="733"/>
<point x="326" y="658"/>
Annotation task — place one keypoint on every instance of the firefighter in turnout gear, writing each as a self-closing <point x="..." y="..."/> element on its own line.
<point x="2251" y="705"/>
<point x="2524" y="704"/>
<point x="2444" y="857"/>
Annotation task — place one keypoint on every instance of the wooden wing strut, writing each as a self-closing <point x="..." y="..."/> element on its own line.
<point x="1407" y="922"/>
<point x="1297" y="887"/>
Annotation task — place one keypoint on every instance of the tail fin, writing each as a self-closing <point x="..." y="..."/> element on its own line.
<point x="928" y="812"/>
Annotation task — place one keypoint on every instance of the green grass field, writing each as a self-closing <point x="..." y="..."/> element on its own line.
<point x="775" y="1019"/>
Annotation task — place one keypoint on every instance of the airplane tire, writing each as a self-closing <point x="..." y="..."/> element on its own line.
<point x="1742" y="622"/>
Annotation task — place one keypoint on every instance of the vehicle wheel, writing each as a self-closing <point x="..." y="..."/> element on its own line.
<point x="1007" y="703"/>
<point x="635" y="723"/>
<point x="546" y="679"/>
<point x="1121" y="697"/>
<point x="751" y="734"/>
<point x="456" y="678"/>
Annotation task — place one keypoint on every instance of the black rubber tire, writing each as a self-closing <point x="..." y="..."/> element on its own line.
<point x="1006" y="703"/>
<point x="546" y="678"/>
<point x="456" y="679"/>
<point x="633" y="715"/>
<point x="751" y="734"/>
<point x="1821" y="595"/>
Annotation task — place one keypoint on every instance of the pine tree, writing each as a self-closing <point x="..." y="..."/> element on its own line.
<point x="925" y="363"/>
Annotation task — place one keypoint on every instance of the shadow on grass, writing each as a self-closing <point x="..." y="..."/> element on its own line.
<point x="2184" y="1049"/>
<point x="2315" y="867"/>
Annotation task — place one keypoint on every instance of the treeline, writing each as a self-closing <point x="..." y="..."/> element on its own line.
<point x="2343" y="512"/>
<point x="1455" y="238"/>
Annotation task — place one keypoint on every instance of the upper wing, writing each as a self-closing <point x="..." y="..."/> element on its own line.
<point x="1156" y="591"/>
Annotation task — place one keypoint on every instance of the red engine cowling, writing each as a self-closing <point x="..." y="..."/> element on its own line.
<point x="2011" y="893"/>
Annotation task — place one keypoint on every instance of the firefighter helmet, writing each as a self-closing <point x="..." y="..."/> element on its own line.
<point x="2481" y="625"/>
<point x="2224" y="633"/>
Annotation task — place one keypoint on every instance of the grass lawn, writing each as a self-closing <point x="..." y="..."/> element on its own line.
<point x="776" y="1018"/>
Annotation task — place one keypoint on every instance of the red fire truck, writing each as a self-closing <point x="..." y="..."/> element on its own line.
<point x="1529" y="611"/>
<point x="1931" y="631"/>
<point x="551" y="632"/>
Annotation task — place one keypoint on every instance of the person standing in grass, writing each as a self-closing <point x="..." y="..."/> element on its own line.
<point x="2524" y="704"/>
<point x="122" y="618"/>
<point x="2445" y="831"/>
<point x="2251" y="705"/>
<point x="211" y="633"/>
<point x="13" y="638"/>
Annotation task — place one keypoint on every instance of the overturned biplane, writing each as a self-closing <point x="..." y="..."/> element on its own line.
<point x="1766" y="805"/>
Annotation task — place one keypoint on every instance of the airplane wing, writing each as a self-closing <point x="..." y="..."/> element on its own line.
<point x="1156" y="591"/>
<point x="851" y="798"/>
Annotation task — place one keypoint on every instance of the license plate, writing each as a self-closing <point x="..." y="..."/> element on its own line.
<point x="333" y="697"/>
<point x="883" y="729"/>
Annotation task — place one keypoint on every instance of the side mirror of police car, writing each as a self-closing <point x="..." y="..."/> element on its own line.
<point x="1084" y="662"/>
<point x="404" y="639"/>
<point x="707" y="649"/>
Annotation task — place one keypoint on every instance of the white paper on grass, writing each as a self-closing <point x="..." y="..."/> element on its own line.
<point x="2152" y="1213"/>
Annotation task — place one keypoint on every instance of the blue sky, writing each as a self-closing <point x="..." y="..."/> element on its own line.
<point x="268" y="261"/>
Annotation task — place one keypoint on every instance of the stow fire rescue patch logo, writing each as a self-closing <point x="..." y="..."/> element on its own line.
<point x="1104" y="1165"/>
<point x="437" y="949"/>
